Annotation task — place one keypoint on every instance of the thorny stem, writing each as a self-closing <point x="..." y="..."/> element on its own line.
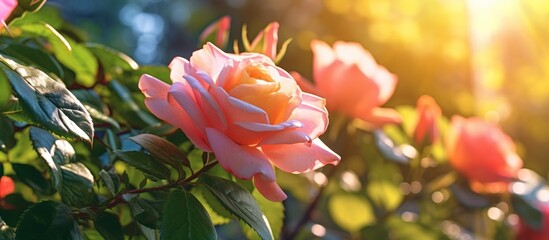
<point x="120" y="199"/>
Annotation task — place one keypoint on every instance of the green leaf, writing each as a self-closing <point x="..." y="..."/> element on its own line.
<point x="111" y="181"/>
<point x="145" y="163"/>
<point x="239" y="202"/>
<point x="77" y="187"/>
<point x="185" y="218"/>
<point x="383" y="187"/>
<point x="274" y="211"/>
<point x="5" y="91"/>
<point x="350" y="212"/>
<point x="163" y="150"/>
<point x="108" y="225"/>
<point x="131" y="78"/>
<point x="59" y="44"/>
<point x="385" y="194"/>
<point x="95" y="106"/>
<point x="7" y="136"/>
<point x="113" y="61"/>
<point x="127" y="109"/>
<point x="217" y="212"/>
<point x="81" y="61"/>
<point x="144" y="213"/>
<point x="47" y="220"/>
<point x="30" y="55"/>
<point x="53" y="151"/>
<point x="32" y="177"/>
<point x="401" y="229"/>
<point x="49" y="102"/>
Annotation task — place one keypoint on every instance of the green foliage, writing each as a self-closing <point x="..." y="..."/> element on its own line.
<point x="185" y="218"/>
<point x="239" y="202"/>
<point x="48" y="220"/>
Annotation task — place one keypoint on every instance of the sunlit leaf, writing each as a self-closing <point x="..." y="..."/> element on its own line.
<point x="113" y="61"/>
<point x="81" y="61"/>
<point x="145" y="163"/>
<point x="53" y="151"/>
<point x="350" y="212"/>
<point x="384" y="194"/>
<point x="239" y="202"/>
<point x="274" y="211"/>
<point x="162" y="150"/>
<point x="48" y="220"/>
<point x="217" y="212"/>
<point x="30" y="55"/>
<point x="185" y="218"/>
<point x="49" y="102"/>
<point x="77" y="185"/>
<point x="5" y="91"/>
<point x="58" y="43"/>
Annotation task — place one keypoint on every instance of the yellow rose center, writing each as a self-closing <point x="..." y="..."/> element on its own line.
<point x="255" y="85"/>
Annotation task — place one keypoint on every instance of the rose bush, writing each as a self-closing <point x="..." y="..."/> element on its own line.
<point x="482" y="153"/>
<point x="351" y="81"/>
<point x="250" y="113"/>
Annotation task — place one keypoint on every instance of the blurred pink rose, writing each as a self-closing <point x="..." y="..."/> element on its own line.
<point x="6" y="7"/>
<point x="429" y="113"/>
<point x="218" y="32"/>
<point x="351" y="81"/>
<point x="250" y="113"/>
<point x="482" y="153"/>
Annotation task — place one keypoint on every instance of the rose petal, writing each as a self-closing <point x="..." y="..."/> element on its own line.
<point x="210" y="59"/>
<point x="301" y="157"/>
<point x="7" y="186"/>
<point x="312" y="114"/>
<point x="156" y="92"/>
<point x="207" y="104"/>
<point x="304" y="84"/>
<point x="183" y="94"/>
<point x="269" y="189"/>
<point x="180" y="67"/>
<point x="242" y="161"/>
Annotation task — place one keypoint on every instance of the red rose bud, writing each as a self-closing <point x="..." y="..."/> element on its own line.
<point x="429" y="113"/>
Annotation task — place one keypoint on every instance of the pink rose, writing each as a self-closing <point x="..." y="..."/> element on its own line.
<point x="482" y="153"/>
<point x="429" y="113"/>
<point x="250" y="113"/>
<point x="6" y="7"/>
<point x="351" y="81"/>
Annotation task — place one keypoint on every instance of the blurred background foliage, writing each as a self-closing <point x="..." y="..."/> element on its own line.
<point x="478" y="57"/>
